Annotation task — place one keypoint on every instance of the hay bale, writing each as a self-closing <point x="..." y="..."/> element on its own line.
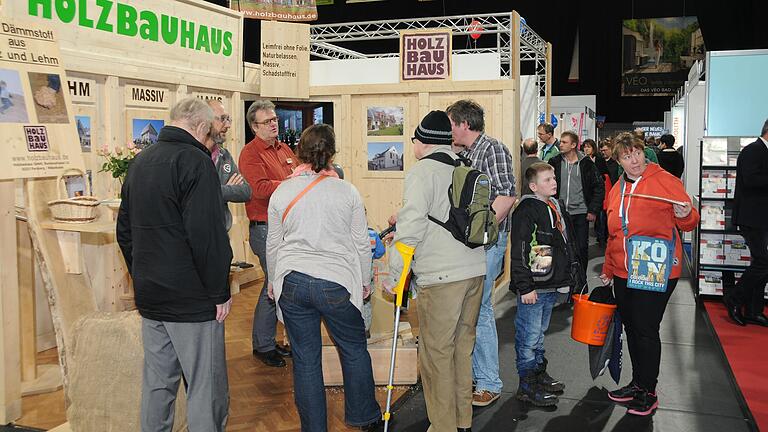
<point x="105" y="367"/>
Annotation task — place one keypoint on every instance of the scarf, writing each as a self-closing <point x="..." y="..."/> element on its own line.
<point x="306" y="169"/>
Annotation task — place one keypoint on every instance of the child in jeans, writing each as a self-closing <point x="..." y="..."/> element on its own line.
<point x="541" y="263"/>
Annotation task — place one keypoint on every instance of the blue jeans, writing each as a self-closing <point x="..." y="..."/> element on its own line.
<point x="485" y="358"/>
<point x="304" y="301"/>
<point x="531" y="323"/>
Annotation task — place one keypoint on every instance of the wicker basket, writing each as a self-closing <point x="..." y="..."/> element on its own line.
<point x="73" y="210"/>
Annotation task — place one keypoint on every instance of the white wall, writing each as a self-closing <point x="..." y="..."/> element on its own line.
<point x="695" y="105"/>
<point x="576" y="104"/>
<point x="466" y="67"/>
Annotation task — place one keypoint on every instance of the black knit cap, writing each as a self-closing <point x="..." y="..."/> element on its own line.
<point x="435" y="128"/>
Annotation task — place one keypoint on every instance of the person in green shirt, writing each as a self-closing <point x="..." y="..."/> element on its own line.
<point x="550" y="146"/>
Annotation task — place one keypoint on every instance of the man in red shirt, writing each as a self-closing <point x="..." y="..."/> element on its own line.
<point x="264" y="162"/>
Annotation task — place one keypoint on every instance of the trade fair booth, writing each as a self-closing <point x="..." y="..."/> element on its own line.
<point x="116" y="76"/>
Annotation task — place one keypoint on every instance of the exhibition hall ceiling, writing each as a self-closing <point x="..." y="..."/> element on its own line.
<point x="597" y="25"/>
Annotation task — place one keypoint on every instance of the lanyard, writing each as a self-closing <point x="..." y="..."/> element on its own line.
<point x="624" y="214"/>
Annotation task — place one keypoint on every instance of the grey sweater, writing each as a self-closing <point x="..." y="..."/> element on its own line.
<point x="439" y="257"/>
<point x="226" y="168"/>
<point x="325" y="235"/>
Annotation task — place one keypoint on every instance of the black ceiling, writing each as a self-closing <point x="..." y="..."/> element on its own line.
<point x="725" y="26"/>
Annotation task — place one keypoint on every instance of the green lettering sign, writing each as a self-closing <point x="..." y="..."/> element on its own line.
<point x="128" y="21"/>
<point x="149" y="28"/>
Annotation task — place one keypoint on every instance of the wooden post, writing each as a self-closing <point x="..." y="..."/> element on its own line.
<point x="26" y="266"/>
<point x="549" y="82"/>
<point x="10" y="360"/>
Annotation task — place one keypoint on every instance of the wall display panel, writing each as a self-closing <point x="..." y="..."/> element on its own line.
<point x="188" y="35"/>
<point x="39" y="135"/>
<point x="736" y="92"/>
<point x="386" y="149"/>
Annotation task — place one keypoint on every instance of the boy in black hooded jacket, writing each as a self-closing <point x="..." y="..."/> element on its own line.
<point x="541" y="271"/>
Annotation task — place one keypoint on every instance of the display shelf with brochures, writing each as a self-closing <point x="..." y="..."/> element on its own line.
<point x="722" y="255"/>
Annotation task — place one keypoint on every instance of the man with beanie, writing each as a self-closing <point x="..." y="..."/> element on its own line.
<point x="490" y="156"/>
<point x="449" y="276"/>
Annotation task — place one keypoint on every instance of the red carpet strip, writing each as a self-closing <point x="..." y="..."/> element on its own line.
<point x="747" y="352"/>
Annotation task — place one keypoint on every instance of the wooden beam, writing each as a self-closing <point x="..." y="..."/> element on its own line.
<point x="10" y="359"/>
<point x="26" y="266"/>
<point x="549" y="82"/>
<point x="412" y="87"/>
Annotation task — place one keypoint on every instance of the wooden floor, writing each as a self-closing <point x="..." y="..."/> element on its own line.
<point x="261" y="398"/>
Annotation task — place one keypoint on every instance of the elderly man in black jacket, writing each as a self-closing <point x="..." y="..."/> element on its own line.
<point x="581" y="188"/>
<point x="750" y="202"/>
<point x="170" y="231"/>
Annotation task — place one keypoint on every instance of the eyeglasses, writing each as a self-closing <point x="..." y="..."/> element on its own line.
<point x="637" y="154"/>
<point x="224" y="118"/>
<point x="267" y="121"/>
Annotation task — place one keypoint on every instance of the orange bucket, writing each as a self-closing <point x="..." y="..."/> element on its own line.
<point x="590" y="320"/>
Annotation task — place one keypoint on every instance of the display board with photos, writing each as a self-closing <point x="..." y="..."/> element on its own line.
<point x="722" y="254"/>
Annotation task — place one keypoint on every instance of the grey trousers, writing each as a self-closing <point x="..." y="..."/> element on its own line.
<point x="195" y="350"/>
<point x="265" y="313"/>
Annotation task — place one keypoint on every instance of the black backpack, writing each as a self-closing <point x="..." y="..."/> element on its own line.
<point x="471" y="219"/>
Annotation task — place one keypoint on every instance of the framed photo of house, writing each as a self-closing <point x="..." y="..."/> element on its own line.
<point x="384" y="121"/>
<point x="143" y="127"/>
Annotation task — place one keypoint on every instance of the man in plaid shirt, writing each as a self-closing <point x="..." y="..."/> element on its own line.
<point x="492" y="157"/>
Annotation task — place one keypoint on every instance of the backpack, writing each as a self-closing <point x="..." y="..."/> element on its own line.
<point x="471" y="219"/>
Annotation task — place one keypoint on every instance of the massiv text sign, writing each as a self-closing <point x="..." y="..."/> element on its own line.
<point x="182" y="34"/>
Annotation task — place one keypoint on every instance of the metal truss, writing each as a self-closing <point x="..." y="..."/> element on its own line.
<point x="532" y="47"/>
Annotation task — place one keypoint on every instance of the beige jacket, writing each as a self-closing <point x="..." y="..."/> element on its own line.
<point x="439" y="258"/>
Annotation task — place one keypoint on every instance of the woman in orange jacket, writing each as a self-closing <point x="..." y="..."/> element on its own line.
<point x="643" y="260"/>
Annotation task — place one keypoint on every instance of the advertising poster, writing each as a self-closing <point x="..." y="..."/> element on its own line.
<point x="657" y="54"/>
<point x="39" y="137"/>
<point x="277" y="10"/>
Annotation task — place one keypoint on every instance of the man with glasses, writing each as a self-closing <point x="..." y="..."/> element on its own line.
<point x="550" y="146"/>
<point x="265" y="162"/>
<point x="233" y="187"/>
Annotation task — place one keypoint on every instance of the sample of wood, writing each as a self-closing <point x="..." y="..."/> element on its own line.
<point x="406" y="365"/>
<point x="48" y="379"/>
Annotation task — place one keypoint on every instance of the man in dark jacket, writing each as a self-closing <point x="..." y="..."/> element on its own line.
<point x="170" y="232"/>
<point x="750" y="202"/>
<point x="234" y="188"/>
<point x="669" y="158"/>
<point x="581" y="188"/>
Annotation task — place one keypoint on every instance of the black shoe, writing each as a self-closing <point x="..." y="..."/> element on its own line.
<point x="625" y="394"/>
<point x="644" y="403"/>
<point x="734" y="311"/>
<point x="531" y="391"/>
<point x="759" y="319"/>
<point x="463" y="429"/>
<point x="283" y="351"/>
<point x="550" y="384"/>
<point x="270" y="358"/>
<point x="376" y="426"/>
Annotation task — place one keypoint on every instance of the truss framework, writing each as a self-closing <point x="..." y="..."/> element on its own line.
<point x="324" y="39"/>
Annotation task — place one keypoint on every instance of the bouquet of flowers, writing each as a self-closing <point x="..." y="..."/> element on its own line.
<point x="118" y="160"/>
